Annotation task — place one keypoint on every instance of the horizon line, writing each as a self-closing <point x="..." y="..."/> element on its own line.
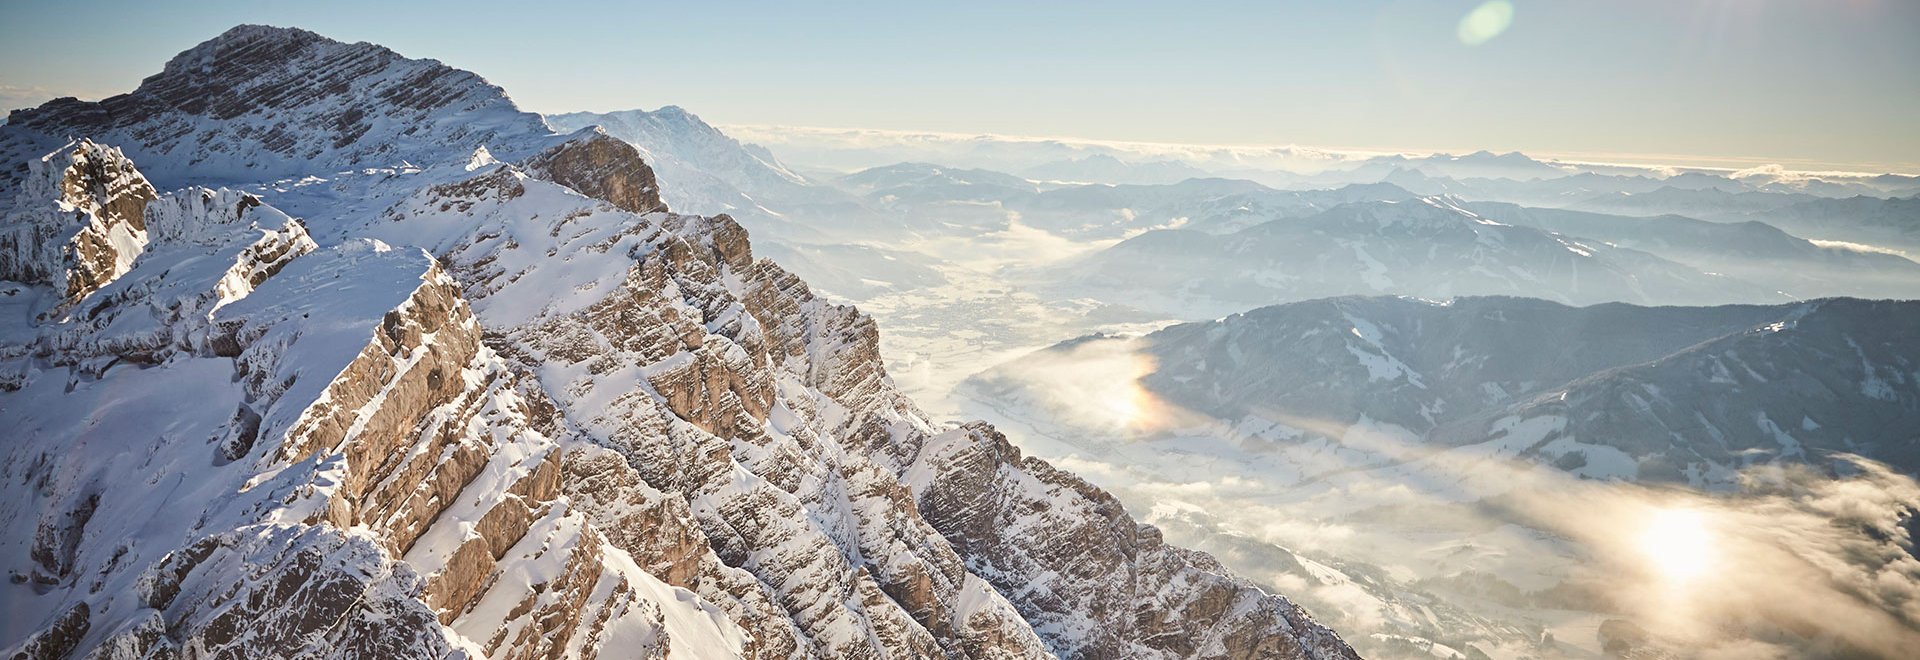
<point x="1716" y="164"/>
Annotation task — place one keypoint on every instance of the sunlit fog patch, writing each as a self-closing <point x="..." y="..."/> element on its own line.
<point x="1858" y="247"/>
<point x="1014" y="245"/>
<point x="1093" y="385"/>
<point x="1822" y="565"/>
<point x="1678" y="544"/>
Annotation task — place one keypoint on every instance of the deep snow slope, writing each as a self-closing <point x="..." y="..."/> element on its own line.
<point x="444" y="381"/>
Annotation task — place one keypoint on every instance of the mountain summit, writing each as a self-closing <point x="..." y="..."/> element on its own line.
<point x="260" y="102"/>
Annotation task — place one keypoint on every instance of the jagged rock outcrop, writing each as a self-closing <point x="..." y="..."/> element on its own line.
<point x="363" y="469"/>
<point x="77" y="222"/>
<point x="523" y="410"/>
<point x="1098" y="583"/>
<point x="601" y="167"/>
<point x="710" y="172"/>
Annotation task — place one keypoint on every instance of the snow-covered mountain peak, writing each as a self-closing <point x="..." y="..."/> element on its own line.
<point x="209" y="55"/>
<point x="673" y="111"/>
<point x="271" y="101"/>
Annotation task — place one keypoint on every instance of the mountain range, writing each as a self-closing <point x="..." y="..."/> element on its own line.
<point x="316" y="349"/>
<point x="1430" y="248"/>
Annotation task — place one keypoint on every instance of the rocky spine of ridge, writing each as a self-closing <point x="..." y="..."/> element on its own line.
<point x="576" y="424"/>
<point x="341" y="445"/>
<point x="78" y="222"/>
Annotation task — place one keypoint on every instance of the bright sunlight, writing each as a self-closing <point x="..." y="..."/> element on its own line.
<point x="1678" y="544"/>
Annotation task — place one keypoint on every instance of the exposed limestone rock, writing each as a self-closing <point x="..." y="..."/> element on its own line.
<point x="1106" y="586"/>
<point x="78" y="221"/>
<point x="602" y="167"/>
<point x="272" y="587"/>
<point x="156" y="309"/>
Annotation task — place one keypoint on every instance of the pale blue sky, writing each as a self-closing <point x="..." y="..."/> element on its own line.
<point x="1810" y="83"/>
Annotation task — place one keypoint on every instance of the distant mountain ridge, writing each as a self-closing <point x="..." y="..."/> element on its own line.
<point x="1660" y="394"/>
<point x="1102" y="168"/>
<point x="1428" y="247"/>
<point x="1750" y="251"/>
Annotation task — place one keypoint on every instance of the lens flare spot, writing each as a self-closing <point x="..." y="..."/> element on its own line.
<point x="1678" y="544"/>
<point x="1486" y="22"/>
<point x="1125" y="408"/>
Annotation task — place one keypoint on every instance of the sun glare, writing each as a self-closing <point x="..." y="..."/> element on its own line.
<point x="1678" y="544"/>
<point x="1125" y="409"/>
<point x="1486" y="22"/>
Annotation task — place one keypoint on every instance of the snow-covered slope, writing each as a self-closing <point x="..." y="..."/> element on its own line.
<point x="456" y="383"/>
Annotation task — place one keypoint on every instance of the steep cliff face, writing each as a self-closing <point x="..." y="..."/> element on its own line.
<point x="305" y="467"/>
<point x="561" y="422"/>
<point x="77" y="221"/>
<point x="601" y="167"/>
